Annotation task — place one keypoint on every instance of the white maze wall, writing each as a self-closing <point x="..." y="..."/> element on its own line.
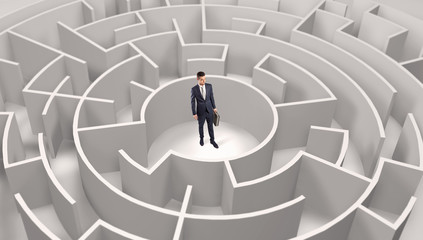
<point x="330" y="91"/>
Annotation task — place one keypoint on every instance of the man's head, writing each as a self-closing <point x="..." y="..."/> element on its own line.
<point x="201" y="78"/>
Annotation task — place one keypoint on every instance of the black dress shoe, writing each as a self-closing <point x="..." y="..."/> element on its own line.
<point x="201" y="142"/>
<point x="214" y="144"/>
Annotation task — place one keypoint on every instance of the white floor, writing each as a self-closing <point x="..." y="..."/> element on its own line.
<point x="66" y="169"/>
<point x="184" y="138"/>
<point x="282" y="157"/>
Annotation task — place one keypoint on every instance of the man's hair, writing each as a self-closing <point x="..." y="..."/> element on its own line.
<point x="200" y="74"/>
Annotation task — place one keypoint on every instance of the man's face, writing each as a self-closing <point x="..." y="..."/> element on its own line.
<point x="201" y="80"/>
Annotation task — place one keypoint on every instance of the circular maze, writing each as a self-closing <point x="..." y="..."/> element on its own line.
<point x="321" y="105"/>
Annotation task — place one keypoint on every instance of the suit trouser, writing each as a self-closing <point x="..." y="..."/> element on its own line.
<point x="201" y="119"/>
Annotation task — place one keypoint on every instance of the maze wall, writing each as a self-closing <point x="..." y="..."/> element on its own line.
<point x="330" y="90"/>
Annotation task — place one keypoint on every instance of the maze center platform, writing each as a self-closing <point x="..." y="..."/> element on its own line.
<point x="184" y="139"/>
<point x="321" y="105"/>
<point x="239" y="116"/>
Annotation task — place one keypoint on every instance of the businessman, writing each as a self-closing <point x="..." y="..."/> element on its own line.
<point x="202" y="93"/>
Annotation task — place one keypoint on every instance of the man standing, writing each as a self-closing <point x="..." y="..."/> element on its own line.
<point x="203" y="94"/>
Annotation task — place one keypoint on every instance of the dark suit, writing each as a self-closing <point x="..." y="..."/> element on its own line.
<point x="204" y="109"/>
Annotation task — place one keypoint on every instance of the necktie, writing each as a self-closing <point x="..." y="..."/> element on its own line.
<point x="202" y="92"/>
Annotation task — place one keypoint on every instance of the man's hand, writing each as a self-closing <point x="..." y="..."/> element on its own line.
<point x="215" y="110"/>
<point x="195" y="117"/>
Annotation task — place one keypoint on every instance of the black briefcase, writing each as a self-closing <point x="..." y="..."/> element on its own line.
<point x="216" y="118"/>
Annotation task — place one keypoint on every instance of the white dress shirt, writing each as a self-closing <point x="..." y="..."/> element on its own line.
<point x="204" y="90"/>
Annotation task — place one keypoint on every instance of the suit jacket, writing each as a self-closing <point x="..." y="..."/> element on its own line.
<point x="202" y="103"/>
